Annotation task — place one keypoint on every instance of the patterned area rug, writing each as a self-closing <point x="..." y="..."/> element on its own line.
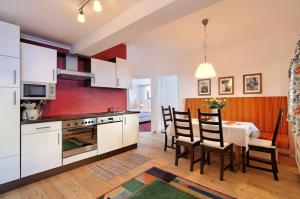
<point x="159" y="184"/>
<point x="118" y="165"/>
<point x="145" y="127"/>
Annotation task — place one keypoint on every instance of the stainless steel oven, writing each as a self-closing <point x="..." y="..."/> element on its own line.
<point x="79" y="136"/>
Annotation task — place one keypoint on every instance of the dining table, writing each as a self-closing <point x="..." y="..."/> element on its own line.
<point x="238" y="133"/>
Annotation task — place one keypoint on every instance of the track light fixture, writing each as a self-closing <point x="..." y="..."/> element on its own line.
<point x="96" y="6"/>
<point x="81" y="17"/>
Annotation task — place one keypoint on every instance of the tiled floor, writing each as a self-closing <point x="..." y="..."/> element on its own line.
<point x="81" y="183"/>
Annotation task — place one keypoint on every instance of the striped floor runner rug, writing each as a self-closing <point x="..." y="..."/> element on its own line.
<point x="118" y="165"/>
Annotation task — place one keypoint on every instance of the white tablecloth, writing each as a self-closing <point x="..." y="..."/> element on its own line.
<point x="238" y="133"/>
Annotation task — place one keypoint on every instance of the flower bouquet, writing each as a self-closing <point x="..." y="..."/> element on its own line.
<point x="214" y="103"/>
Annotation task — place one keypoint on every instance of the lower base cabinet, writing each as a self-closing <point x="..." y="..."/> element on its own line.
<point x="109" y="137"/>
<point x="10" y="169"/>
<point x="40" y="152"/>
<point x="130" y="129"/>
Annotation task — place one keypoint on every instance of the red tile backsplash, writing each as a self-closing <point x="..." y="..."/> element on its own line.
<point x="72" y="97"/>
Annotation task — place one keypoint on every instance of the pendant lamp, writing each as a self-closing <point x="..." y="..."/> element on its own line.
<point x="205" y="70"/>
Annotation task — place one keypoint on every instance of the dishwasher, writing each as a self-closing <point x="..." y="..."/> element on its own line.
<point x="109" y="133"/>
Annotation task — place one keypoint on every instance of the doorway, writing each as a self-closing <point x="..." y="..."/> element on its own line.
<point x="139" y="99"/>
<point x="167" y="95"/>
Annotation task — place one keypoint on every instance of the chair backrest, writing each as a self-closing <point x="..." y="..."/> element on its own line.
<point x="275" y="133"/>
<point x="167" y="116"/>
<point x="183" y="124"/>
<point x="210" y="130"/>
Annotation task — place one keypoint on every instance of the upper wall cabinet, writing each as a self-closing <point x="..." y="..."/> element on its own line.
<point x="9" y="40"/>
<point x="124" y="73"/>
<point x="9" y="71"/>
<point x="105" y="73"/>
<point x="38" y="64"/>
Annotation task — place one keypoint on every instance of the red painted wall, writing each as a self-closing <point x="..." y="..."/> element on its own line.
<point x="116" y="51"/>
<point x="72" y="97"/>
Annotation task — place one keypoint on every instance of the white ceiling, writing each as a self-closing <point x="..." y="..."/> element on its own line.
<point x="119" y="21"/>
<point x="231" y="22"/>
<point x="56" y="20"/>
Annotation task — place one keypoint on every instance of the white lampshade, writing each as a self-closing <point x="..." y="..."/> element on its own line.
<point x="205" y="70"/>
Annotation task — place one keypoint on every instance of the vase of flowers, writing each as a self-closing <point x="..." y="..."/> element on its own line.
<point x="214" y="104"/>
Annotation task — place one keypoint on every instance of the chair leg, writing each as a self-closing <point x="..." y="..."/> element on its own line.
<point x="177" y="154"/>
<point x="248" y="158"/>
<point x="274" y="169"/>
<point x="202" y="159"/>
<point x="173" y="141"/>
<point x="208" y="157"/>
<point x="166" y="141"/>
<point x="192" y="159"/>
<point x="231" y="159"/>
<point x="243" y="159"/>
<point x="222" y="165"/>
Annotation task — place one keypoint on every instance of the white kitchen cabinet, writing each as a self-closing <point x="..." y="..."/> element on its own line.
<point x="38" y="64"/>
<point x="9" y="72"/>
<point x="9" y="121"/>
<point x="40" y="152"/>
<point x="9" y="168"/>
<point x="109" y="137"/>
<point x="124" y="73"/>
<point x="9" y="40"/>
<point x="130" y="129"/>
<point x="105" y="73"/>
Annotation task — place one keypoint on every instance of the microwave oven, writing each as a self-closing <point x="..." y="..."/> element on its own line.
<point x="38" y="91"/>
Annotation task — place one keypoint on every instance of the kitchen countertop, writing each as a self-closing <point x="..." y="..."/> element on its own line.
<point x="74" y="117"/>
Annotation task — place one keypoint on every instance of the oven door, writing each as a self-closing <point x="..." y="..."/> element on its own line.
<point x="79" y="140"/>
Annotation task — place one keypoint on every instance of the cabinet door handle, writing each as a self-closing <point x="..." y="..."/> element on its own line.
<point x="58" y="140"/>
<point x="15" y="77"/>
<point x="44" y="127"/>
<point x="15" y="97"/>
<point x="125" y="121"/>
<point x="53" y="72"/>
<point x="118" y="82"/>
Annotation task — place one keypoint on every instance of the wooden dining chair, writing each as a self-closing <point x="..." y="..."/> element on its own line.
<point x="266" y="146"/>
<point x="184" y="136"/>
<point x="167" y="119"/>
<point x="211" y="139"/>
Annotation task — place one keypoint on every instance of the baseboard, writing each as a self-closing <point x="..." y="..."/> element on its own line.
<point x="46" y="174"/>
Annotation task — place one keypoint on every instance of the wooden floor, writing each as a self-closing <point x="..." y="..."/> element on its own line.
<point x="81" y="183"/>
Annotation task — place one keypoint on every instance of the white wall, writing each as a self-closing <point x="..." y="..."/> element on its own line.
<point x="248" y="36"/>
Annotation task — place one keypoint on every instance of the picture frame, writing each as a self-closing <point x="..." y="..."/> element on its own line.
<point x="226" y="85"/>
<point x="204" y="87"/>
<point x="252" y="83"/>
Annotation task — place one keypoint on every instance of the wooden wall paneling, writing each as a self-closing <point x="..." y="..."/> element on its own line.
<point x="262" y="111"/>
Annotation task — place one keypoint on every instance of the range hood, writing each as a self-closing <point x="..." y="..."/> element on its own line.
<point x="71" y="72"/>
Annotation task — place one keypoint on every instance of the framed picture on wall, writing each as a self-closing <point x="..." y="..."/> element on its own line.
<point x="252" y="83"/>
<point x="226" y="85"/>
<point x="204" y="87"/>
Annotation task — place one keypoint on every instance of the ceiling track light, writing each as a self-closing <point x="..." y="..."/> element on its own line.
<point x="81" y="17"/>
<point x="97" y="7"/>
